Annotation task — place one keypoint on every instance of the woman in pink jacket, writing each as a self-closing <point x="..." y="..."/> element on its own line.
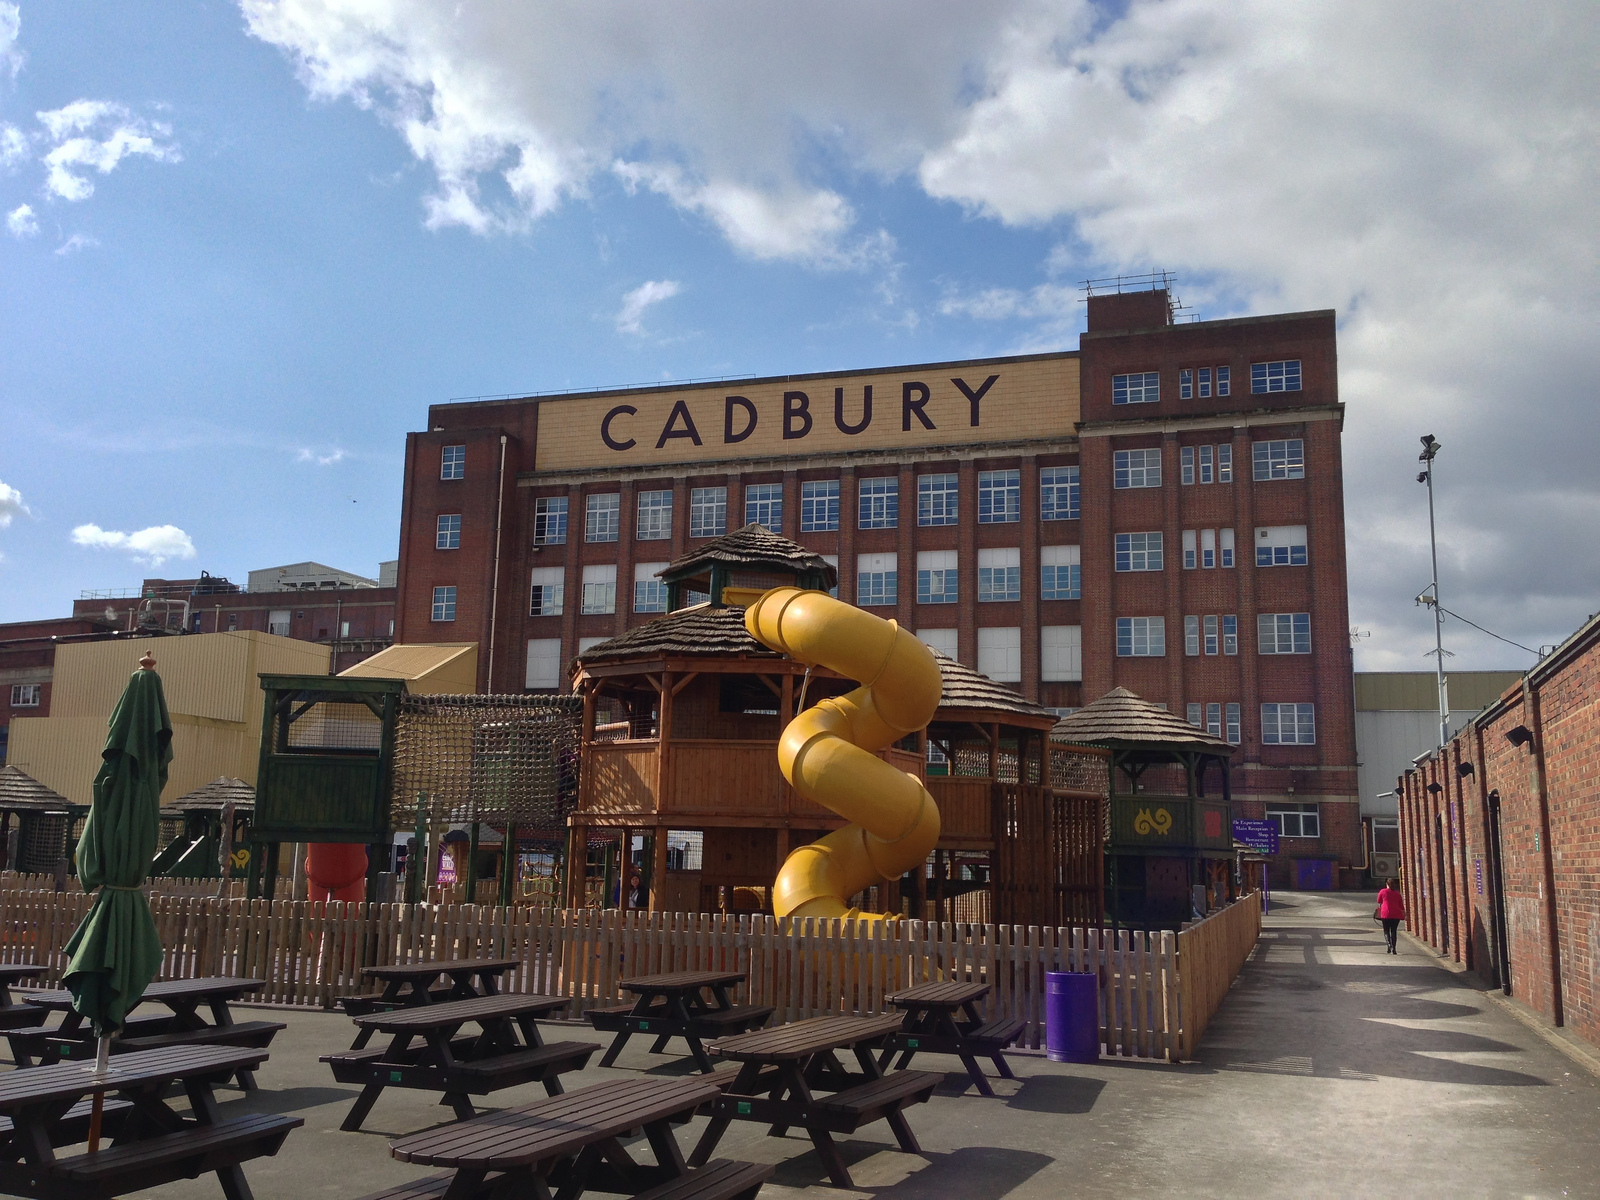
<point x="1391" y="911"/>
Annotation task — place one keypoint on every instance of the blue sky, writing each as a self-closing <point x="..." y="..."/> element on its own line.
<point x="247" y="244"/>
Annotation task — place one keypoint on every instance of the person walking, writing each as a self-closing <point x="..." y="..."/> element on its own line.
<point x="1390" y="912"/>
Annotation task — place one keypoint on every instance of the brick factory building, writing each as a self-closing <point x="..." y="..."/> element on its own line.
<point x="1500" y="839"/>
<point x="1162" y="510"/>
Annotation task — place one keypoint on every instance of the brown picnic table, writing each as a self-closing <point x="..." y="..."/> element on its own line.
<point x="152" y="1144"/>
<point x="933" y="1026"/>
<point x="14" y="1011"/>
<point x="406" y="985"/>
<point x="783" y="1069"/>
<point x="687" y="1004"/>
<point x="73" y="1039"/>
<point x="573" y="1143"/>
<point x="427" y="1050"/>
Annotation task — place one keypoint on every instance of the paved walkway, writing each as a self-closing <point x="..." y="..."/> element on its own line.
<point x="1331" y="1070"/>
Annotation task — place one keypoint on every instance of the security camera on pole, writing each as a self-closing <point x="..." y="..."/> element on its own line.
<point x="1430" y="447"/>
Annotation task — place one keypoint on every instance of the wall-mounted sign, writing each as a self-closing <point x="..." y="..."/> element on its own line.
<point x="1258" y="835"/>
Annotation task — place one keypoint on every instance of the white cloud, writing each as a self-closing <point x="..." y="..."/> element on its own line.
<point x="11" y="58"/>
<point x="642" y="297"/>
<point x="14" y="149"/>
<point x="10" y="504"/>
<point x="153" y="546"/>
<point x="78" y="241"/>
<point x="96" y="135"/>
<point x="307" y="455"/>
<point x="21" y="222"/>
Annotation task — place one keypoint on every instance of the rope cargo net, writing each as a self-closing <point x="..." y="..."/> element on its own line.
<point x="501" y="760"/>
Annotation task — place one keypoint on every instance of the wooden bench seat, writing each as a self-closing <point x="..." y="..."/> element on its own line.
<point x="524" y="1066"/>
<point x="73" y="1127"/>
<point x="999" y="1034"/>
<point x="609" y="1018"/>
<point x="132" y="1166"/>
<point x="846" y="1111"/>
<point x="732" y="1020"/>
<point x="431" y="1187"/>
<point x="719" y="1179"/>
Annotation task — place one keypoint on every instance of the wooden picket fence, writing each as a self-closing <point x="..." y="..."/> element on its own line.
<point x="18" y="881"/>
<point x="1157" y="990"/>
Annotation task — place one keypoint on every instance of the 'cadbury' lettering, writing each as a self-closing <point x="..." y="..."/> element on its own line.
<point x="728" y="435"/>
<point x="605" y="427"/>
<point x="974" y="396"/>
<point x="909" y="406"/>
<point x="680" y="409"/>
<point x="866" y="410"/>
<point x="796" y="408"/>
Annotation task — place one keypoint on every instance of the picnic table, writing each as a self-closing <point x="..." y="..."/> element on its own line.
<point x="47" y="1107"/>
<point x="73" y="1039"/>
<point x="459" y="1066"/>
<point x="15" y="1012"/>
<point x="406" y="985"/>
<point x="687" y="1004"/>
<point x="932" y="1026"/>
<point x="782" y="1069"/>
<point x="573" y="1142"/>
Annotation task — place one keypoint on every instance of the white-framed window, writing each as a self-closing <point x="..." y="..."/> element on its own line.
<point x="1191" y="552"/>
<point x="938" y="578"/>
<point x="1058" y="494"/>
<point x="447" y="533"/>
<point x="1212" y="631"/>
<point x="1141" y="387"/>
<point x="1197" y="381"/>
<point x="599" y="589"/>
<point x="1225" y="548"/>
<point x="1230" y="714"/>
<point x="1061" y="653"/>
<point x="1141" y="637"/>
<point x="602" y="517"/>
<point x="278" y="622"/>
<point x="763" y="505"/>
<point x="1225" y="463"/>
<point x="833" y="561"/>
<point x="1296" y="820"/>
<point x="26" y="695"/>
<point x="999" y="497"/>
<point x="1282" y="376"/>
<point x="878" y="503"/>
<point x="444" y="603"/>
<point x="544" y="663"/>
<point x="649" y="593"/>
<point x="1138" y="551"/>
<point x="1000" y="653"/>
<point x="1281" y="546"/>
<point x="1208" y="549"/>
<point x="1196" y="714"/>
<point x="938" y="500"/>
<point x="708" y="512"/>
<point x="1218" y="719"/>
<point x="1288" y="724"/>
<point x="819" y="506"/>
<point x="1136" y="468"/>
<point x="999" y="574"/>
<point x="585" y="642"/>
<point x="1283" y="633"/>
<point x="547" y="591"/>
<point x="550" y="521"/>
<point x="944" y="641"/>
<point x="877" y="580"/>
<point x="452" y="462"/>
<point x="1191" y="636"/>
<point x="1060" y="573"/>
<point x="654" y="523"/>
<point x="1230" y="633"/>
<point x="1283" y="458"/>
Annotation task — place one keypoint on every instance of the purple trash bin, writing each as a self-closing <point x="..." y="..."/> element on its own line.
<point x="1072" y="1016"/>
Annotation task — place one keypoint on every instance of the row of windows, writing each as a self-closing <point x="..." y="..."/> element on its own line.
<point x="999" y="576"/>
<point x="1276" y="546"/>
<point x="1279" y="458"/>
<point x="26" y="695"/>
<point x="1281" y="725"/>
<point x="1276" y="633"/>
<point x="1144" y="387"/>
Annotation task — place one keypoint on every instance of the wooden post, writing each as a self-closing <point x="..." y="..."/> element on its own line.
<point x="508" y="866"/>
<point x="624" y="870"/>
<point x="472" y="863"/>
<point x="658" y="868"/>
<point x="663" y="744"/>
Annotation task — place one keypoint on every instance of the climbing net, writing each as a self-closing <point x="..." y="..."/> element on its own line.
<point x="501" y="760"/>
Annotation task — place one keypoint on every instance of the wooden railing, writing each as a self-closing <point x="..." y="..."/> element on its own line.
<point x="1157" y="990"/>
<point x="17" y="881"/>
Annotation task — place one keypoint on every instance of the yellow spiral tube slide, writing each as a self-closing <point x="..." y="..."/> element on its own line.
<point x="829" y="752"/>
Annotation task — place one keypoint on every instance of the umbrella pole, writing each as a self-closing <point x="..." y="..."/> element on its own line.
<point x="101" y="1066"/>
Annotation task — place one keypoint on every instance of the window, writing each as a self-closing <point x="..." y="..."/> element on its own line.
<point x="1000" y="654"/>
<point x="233" y="622"/>
<point x="1296" y="820"/>
<point x="1230" y="634"/>
<point x="877" y="579"/>
<point x="1284" y="459"/>
<point x="1058" y="494"/>
<point x="452" y="462"/>
<point x="1288" y="725"/>
<point x="1223" y="374"/>
<point x="1230" y="714"/>
<point x="1212" y="635"/>
<point x="1060" y="575"/>
<point x="1139" y="551"/>
<point x="937" y="499"/>
<point x="550" y="521"/>
<point x="1225" y="463"/>
<point x="547" y="592"/>
<point x="878" y="503"/>
<point x="999" y="575"/>
<point x="585" y="642"/>
<point x="1283" y="633"/>
<point x="649" y="593"/>
<point x="708" y="512"/>
<point x="599" y="589"/>
<point x="937" y="577"/>
<point x="1214" y="720"/>
<point x="999" y="497"/>
<point x="1196" y="714"/>
<point x="448" y="533"/>
<point x="278" y="622"/>
<point x="544" y="663"/>
<point x="1191" y="553"/>
<point x="1136" y="468"/>
<point x="1191" y="636"/>
<point x="1141" y="388"/>
<point x="1185" y="384"/>
<point x="819" y="506"/>
<point x="444" y="603"/>
<point x="1061" y="653"/>
<point x="1141" y="637"/>
<point x="1208" y="549"/>
<point x="602" y="517"/>
<point x="654" y="522"/>
<point x="942" y="640"/>
<point x="1275" y="376"/>
<point x="1225" y="548"/>
<point x="26" y="695"/>
<point x="833" y="561"/>
<point x="1281" y="546"/>
<point x="763" y="505"/>
<point x="1186" y="465"/>
<point x="1196" y="381"/>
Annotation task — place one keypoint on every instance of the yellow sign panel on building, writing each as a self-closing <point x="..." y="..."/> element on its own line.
<point x="994" y="400"/>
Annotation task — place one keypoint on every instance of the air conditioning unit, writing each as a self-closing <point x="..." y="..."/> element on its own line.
<point x="1386" y="866"/>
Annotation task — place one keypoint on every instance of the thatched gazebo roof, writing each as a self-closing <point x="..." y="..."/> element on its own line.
<point x="212" y="796"/>
<point x="752" y="548"/>
<point x="1125" y="721"/>
<point x="19" y="790"/>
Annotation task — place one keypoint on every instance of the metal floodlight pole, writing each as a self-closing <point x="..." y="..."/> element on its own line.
<point x="1430" y="447"/>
